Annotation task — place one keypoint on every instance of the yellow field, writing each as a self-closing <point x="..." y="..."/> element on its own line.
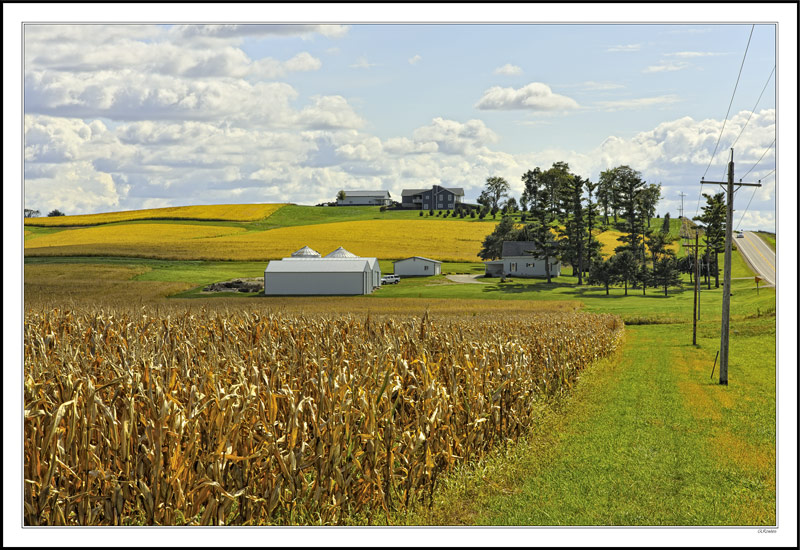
<point x="609" y="240"/>
<point x="158" y="240"/>
<point x="225" y="212"/>
<point x="385" y="239"/>
<point x="161" y="416"/>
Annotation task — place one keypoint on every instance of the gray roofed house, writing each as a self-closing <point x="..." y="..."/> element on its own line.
<point x="519" y="259"/>
<point x="435" y="198"/>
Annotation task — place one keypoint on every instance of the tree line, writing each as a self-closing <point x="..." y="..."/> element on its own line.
<point x="561" y="214"/>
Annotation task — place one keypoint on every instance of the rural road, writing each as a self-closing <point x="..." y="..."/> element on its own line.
<point x="759" y="255"/>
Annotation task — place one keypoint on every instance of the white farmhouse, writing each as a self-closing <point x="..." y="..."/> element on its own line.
<point x="417" y="266"/>
<point x="519" y="259"/>
<point x="305" y="272"/>
<point x="365" y="198"/>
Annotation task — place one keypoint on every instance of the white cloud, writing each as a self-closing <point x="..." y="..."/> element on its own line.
<point x="455" y="137"/>
<point x="637" y="103"/>
<point x="230" y="31"/>
<point x="535" y="96"/>
<point x="414" y="60"/>
<point x="329" y="112"/>
<point x="591" y="85"/>
<point x="687" y="55"/>
<point x="625" y="48"/>
<point x="666" y="67"/>
<point x="362" y="63"/>
<point x="508" y="69"/>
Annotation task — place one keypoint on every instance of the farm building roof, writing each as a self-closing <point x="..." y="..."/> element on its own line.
<point x="518" y="248"/>
<point x="383" y="194"/>
<point x="339" y="266"/>
<point x="454" y="190"/>
<point x="418" y="258"/>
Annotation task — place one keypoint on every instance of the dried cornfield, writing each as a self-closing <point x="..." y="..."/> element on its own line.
<point x="168" y="417"/>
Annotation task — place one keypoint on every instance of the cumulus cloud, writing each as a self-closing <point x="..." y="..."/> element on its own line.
<point x="508" y="69"/>
<point x="414" y="60"/>
<point x="625" y="48"/>
<point x="362" y="63"/>
<point x="687" y="55"/>
<point x="666" y="67"/>
<point x="637" y="103"/>
<point x="229" y="31"/>
<point x="454" y="137"/>
<point x="535" y="96"/>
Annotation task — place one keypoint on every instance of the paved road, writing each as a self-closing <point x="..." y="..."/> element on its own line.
<point x="758" y="254"/>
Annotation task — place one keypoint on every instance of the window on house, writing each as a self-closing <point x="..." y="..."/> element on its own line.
<point x="513" y="266"/>
<point x="529" y="265"/>
<point x="426" y="268"/>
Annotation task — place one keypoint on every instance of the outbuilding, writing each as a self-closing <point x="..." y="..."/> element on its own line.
<point x="306" y="272"/>
<point x="417" y="266"/>
<point x="520" y="259"/>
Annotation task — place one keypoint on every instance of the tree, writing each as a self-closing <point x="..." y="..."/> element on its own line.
<point x="603" y="272"/>
<point x="666" y="272"/>
<point x="574" y="232"/>
<point x="511" y="205"/>
<point x="629" y="185"/>
<point x="626" y="267"/>
<point x="713" y="216"/>
<point x="492" y="247"/>
<point x="28" y="213"/>
<point x="648" y="199"/>
<point x="665" y="226"/>
<point x="55" y="212"/>
<point x="539" y="229"/>
<point x="555" y="180"/>
<point x="496" y="189"/>
<point x="341" y="195"/>
<point x="604" y="193"/>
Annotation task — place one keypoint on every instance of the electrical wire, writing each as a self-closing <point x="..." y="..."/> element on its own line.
<point x="751" y="200"/>
<point x="714" y="154"/>
<point x="753" y="110"/>
<point x="759" y="160"/>
<point x="731" y="103"/>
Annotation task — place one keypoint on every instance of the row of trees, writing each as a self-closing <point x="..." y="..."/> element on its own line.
<point x="564" y="212"/>
<point x="30" y="213"/>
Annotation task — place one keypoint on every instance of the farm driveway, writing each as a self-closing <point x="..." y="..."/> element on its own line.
<point x="466" y="279"/>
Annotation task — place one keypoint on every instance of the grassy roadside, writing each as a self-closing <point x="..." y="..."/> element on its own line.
<point x="647" y="438"/>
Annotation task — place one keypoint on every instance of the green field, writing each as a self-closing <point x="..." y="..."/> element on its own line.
<point x="646" y="438"/>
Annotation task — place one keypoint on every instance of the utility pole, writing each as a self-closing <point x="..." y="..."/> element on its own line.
<point x="682" y="194"/>
<point x="696" y="304"/>
<point x="726" y="288"/>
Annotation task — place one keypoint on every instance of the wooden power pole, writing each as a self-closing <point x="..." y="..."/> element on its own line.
<point x="726" y="288"/>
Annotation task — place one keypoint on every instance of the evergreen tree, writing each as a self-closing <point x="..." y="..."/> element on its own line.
<point x="603" y="272"/>
<point x="665" y="226"/>
<point x="626" y="267"/>
<point x="492" y="247"/>
<point x="541" y="217"/>
<point x="713" y="217"/>
<point x="666" y="272"/>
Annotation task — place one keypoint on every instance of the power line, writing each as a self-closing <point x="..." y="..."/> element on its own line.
<point x="759" y="160"/>
<point x="714" y="154"/>
<point x="753" y="110"/>
<point x="731" y="103"/>
<point x="751" y="200"/>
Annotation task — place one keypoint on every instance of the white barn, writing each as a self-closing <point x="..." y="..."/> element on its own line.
<point x="518" y="261"/>
<point x="417" y="266"/>
<point x="365" y="198"/>
<point x="305" y="272"/>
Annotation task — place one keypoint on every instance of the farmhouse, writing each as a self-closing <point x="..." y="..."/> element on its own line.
<point x="306" y="272"/>
<point x="365" y="198"/>
<point x="417" y="266"/>
<point x="435" y="198"/>
<point x="520" y="260"/>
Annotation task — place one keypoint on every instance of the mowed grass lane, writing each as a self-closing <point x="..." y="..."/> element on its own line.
<point x="648" y="438"/>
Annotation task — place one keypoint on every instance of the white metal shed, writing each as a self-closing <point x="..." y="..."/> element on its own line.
<point x="417" y="266"/>
<point x="318" y="277"/>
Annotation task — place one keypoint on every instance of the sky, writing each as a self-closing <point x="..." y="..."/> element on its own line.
<point x="121" y="117"/>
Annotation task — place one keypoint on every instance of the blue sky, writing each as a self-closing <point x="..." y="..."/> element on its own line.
<point x="121" y="117"/>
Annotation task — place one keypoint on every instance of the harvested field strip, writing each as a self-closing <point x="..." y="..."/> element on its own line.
<point x="223" y="212"/>
<point x="170" y="417"/>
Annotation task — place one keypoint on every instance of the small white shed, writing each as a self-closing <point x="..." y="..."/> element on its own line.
<point x="417" y="266"/>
